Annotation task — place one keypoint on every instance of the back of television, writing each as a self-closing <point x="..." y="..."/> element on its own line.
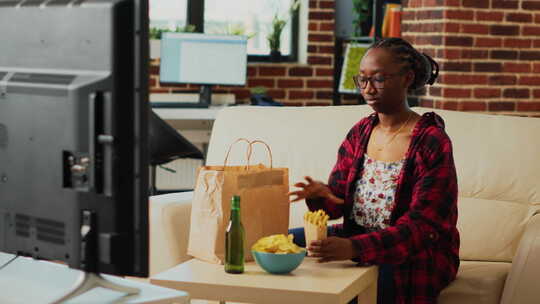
<point x="47" y="72"/>
<point x="73" y="144"/>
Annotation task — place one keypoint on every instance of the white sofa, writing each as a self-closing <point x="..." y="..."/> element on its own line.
<point x="498" y="164"/>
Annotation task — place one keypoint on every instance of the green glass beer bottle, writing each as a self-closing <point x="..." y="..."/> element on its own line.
<point x="234" y="240"/>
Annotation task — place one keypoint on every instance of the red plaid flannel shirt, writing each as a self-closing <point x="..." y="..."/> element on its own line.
<point x="422" y="240"/>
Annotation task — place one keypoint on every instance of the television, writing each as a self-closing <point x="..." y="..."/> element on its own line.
<point x="74" y="118"/>
<point x="193" y="58"/>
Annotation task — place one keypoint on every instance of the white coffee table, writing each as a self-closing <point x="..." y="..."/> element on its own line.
<point x="312" y="282"/>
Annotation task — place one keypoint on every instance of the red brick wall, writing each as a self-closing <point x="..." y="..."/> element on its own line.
<point x="489" y="52"/>
<point x="291" y="83"/>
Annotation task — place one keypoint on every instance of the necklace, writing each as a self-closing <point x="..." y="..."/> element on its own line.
<point x="395" y="133"/>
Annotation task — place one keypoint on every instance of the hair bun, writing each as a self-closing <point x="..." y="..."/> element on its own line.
<point x="425" y="69"/>
<point x="434" y="69"/>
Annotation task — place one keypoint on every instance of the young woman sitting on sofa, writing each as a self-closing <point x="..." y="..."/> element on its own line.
<point x="394" y="183"/>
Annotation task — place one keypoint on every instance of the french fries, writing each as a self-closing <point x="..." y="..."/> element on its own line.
<point x="315" y="226"/>
<point x="277" y="243"/>
<point x="318" y="218"/>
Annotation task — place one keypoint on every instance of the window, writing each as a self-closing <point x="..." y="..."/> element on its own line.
<point x="167" y="14"/>
<point x="253" y="18"/>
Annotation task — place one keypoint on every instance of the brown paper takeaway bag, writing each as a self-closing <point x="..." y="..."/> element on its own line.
<point x="263" y="200"/>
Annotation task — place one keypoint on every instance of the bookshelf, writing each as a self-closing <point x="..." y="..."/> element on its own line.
<point x="377" y="21"/>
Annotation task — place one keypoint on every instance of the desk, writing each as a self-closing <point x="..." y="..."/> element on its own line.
<point x="311" y="282"/>
<point x="26" y="280"/>
<point x="190" y="118"/>
<point x="193" y="123"/>
<point x="188" y="113"/>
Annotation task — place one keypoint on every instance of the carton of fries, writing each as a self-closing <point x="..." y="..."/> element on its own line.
<point x="315" y="226"/>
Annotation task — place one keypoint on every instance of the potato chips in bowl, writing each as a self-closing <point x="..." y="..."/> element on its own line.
<point x="278" y="254"/>
<point x="277" y="243"/>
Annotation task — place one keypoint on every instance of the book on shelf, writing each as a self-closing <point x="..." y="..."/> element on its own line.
<point x="391" y="25"/>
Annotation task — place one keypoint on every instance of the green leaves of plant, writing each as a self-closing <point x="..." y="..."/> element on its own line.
<point x="156" y="33"/>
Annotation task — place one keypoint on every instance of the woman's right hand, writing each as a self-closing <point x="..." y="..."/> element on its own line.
<point x="313" y="189"/>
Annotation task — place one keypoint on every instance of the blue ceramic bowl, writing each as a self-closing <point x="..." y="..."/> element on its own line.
<point x="278" y="263"/>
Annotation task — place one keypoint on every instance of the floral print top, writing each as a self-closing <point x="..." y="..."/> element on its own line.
<point x="375" y="191"/>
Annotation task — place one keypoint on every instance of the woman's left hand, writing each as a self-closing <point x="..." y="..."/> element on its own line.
<point x="332" y="249"/>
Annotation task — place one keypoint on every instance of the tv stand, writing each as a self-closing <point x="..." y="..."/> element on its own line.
<point x="90" y="278"/>
<point x="88" y="281"/>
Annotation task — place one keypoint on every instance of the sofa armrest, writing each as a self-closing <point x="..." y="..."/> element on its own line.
<point x="169" y="230"/>
<point x="522" y="282"/>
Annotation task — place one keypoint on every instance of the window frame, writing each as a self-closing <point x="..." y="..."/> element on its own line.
<point x="195" y="16"/>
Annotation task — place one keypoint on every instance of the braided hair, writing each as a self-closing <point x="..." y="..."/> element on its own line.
<point x="424" y="67"/>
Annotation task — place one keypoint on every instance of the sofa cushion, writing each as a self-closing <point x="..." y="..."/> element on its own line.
<point x="496" y="156"/>
<point x="167" y="213"/>
<point x="503" y="228"/>
<point x="498" y="172"/>
<point x="477" y="283"/>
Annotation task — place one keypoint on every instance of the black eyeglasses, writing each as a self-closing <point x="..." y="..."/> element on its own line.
<point x="377" y="81"/>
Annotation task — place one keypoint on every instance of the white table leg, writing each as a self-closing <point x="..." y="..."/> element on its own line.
<point x="368" y="295"/>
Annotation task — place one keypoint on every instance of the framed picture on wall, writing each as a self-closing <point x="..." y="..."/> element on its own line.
<point x="351" y="63"/>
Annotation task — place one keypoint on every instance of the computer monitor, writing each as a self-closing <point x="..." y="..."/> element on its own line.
<point x="202" y="59"/>
<point x="74" y="133"/>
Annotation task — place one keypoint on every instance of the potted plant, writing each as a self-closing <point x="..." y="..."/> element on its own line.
<point x="238" y="29"/>
<point x="278" y="24"/>
<point x="257" y="93"/>
<point x="259" y="97"/>
<point x="155" y="37"/>
<point x="362" y="20"/>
